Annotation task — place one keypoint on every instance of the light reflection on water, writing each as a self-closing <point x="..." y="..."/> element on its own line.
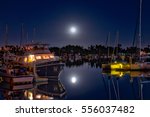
<point x="91" y="83"/>
<point x="88" y="82"/>
<point x="85" y="82"/>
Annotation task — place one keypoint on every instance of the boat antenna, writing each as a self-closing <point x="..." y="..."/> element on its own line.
<point x="115" y="46"/>
<point x="27" y="37"/>
<point x="117" y="41"/>
<point x="34" y="34"/>
<point x="107" y="43"/>
<point x="134" y="43"/>
<point x="22" y="34"/>
<point x="140" y="20"/>
<point x="6" y="35"/>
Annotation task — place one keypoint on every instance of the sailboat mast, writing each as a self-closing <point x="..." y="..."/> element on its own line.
<point x="34" y="34"/>
<point x="140" y="20"/>
<point x="27" y="37"/>
<point x="6" y="35"/>
<point x="22" y="34"/>
<point x="117" y="41"/>
<point x="107" y="44"/>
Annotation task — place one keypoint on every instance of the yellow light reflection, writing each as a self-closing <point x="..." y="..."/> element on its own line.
<point x="117" y="66"/>
<point x="117" y="73"/>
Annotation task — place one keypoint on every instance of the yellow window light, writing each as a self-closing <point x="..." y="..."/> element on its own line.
<point x="121" y="65"/>
<point x="31" y="58"/>
<point x="30" y="96"/>
<point x="45" y="57"/>
<point x="117" y="66"/>
<point x="25" y="59"/>
<point x="38" y="57"/>
<point x="52" y="56"/>
<point x="38" y="96"/>
<point x="117" y="73"/>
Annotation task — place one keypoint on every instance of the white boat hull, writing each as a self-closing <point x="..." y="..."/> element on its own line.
<point x="18" y="79"/>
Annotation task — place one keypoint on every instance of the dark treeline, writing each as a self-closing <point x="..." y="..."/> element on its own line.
<point x="97" y="49"/>
<point x="93" y="49"/>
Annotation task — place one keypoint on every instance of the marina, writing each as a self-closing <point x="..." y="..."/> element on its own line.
<point x="75" y="50"/>
<point x="70" y="58"/>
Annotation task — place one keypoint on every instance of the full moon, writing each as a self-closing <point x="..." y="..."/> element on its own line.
<point x="73" y="30"/>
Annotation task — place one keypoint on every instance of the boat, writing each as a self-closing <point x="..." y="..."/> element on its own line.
<point x="13" y="91"/>
<point x="116" y="65"/>
<point x="36" y="52"/>
<point x="18" y="79"/>
<point x="143" y="63"/>
<point x="16" y="74"/>
<point x="15" y="87"/>
<point x="40" y="60"/>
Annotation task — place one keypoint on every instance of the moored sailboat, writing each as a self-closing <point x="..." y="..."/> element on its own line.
<point x="143" y="62"/>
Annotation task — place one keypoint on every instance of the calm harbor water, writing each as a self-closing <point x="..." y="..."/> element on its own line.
<point x="85" y="83"/>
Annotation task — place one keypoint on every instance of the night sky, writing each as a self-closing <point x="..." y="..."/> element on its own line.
<point x="94" y="19"/>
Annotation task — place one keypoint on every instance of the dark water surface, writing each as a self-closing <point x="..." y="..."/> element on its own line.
<point x="85" y="83"/>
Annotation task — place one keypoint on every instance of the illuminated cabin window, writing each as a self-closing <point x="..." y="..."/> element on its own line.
<point x="45" y="57"/>
<point x="51" y="56"/>
<point x="25" y="59"/>
<point x="38" y="57"/>
<point x="30" y="96"/>
<point x="31" y="58"/>
<point x="38" y="96"/>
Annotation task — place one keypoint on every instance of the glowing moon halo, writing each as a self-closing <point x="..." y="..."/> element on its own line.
<point x="73" y="79"/>
<point x="73" y="30"/>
